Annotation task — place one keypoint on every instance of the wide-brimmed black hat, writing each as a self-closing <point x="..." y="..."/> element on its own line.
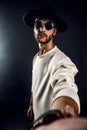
<point x="45" y="13"/>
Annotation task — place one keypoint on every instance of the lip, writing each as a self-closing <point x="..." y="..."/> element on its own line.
<point x="42" y="36"/>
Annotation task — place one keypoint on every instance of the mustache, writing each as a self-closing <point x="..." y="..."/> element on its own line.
<point x="41" y="34"/>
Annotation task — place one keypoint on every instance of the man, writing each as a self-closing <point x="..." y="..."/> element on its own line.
<point x="53" y="84"/>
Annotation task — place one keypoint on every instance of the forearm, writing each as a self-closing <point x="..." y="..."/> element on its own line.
<point x="66" y="104"/>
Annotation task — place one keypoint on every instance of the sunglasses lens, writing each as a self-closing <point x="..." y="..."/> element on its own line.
<point x="48" y="25"/>
<point x="38" y="24"/>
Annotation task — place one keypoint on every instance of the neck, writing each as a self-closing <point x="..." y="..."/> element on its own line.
<point x="46" y="47"/>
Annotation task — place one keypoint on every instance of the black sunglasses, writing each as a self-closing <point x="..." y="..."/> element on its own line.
<point x="48" y="25"/>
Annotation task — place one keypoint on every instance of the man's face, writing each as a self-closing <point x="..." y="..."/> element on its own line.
<point x="44" y="30"/>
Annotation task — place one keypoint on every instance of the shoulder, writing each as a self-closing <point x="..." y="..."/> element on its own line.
<point x="61" y="59"/>
<point x="59" y="56"/>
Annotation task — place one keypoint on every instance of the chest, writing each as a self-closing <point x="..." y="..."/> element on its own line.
<point x="41" y="66"/>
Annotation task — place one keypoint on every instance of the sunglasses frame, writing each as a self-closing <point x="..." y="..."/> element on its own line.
<point x="48" y="25"/>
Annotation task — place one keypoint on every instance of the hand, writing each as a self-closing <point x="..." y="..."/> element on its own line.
<point x="79" y="123"/>
<point x="30" y="112"/>
<point x="49" y="117"/>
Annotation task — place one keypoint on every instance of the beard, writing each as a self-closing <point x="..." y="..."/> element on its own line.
<point x="47" y="40"/>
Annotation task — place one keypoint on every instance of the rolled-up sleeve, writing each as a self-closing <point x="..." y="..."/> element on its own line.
<point x="63" y="80"/>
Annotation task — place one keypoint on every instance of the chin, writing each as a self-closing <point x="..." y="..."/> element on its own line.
<point x="43" y="42"/>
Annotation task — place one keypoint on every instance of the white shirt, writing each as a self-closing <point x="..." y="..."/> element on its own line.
<point x="52" y="76"/>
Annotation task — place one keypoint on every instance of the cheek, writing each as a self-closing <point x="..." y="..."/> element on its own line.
<point x="35" y="31"/>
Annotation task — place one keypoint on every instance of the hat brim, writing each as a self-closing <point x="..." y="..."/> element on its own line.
<point x="29" y="19"/>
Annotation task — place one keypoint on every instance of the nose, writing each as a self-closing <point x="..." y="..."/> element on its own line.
<point x="42" y="28"/>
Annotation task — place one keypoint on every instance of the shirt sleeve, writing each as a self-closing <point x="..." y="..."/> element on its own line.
<point x="63" y="80"/>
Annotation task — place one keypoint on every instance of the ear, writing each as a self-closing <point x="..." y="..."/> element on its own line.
<point x="55" y="31"/>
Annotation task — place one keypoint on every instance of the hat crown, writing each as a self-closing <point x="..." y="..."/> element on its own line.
<point x="45" y="13"/>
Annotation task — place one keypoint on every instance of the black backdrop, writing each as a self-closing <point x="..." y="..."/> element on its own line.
<point x="17" y="48"/>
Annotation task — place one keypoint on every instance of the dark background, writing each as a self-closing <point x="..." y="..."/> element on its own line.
<point x="17" y="48"/>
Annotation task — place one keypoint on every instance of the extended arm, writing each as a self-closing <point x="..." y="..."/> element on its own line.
<point x="65" y="91"/>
